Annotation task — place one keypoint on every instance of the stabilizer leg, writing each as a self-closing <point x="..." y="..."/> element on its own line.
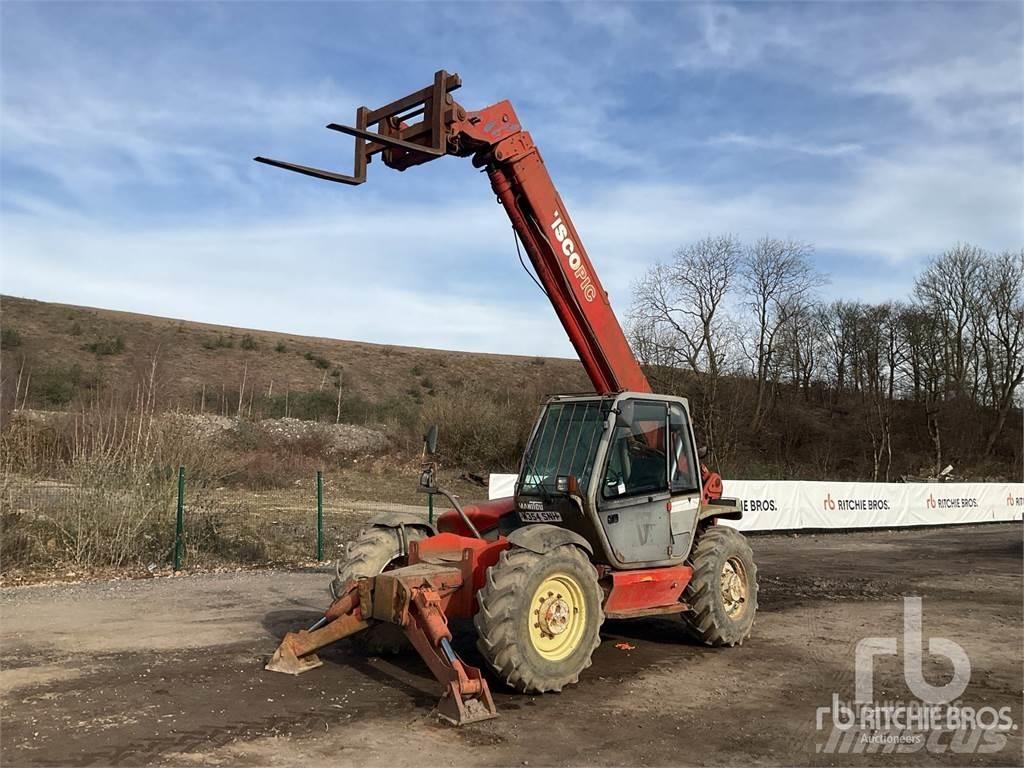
<point x="297" y="652"/>
<point x="466" y="698"/>
<point x="412" y="598"/>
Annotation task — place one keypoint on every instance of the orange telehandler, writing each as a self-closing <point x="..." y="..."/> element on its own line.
<point x="613" y="514"/>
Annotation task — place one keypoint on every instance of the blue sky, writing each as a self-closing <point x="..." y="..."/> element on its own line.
<point x="881" y="134"/>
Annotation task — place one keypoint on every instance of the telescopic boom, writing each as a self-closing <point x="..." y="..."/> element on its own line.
<point x="495" y="140"/>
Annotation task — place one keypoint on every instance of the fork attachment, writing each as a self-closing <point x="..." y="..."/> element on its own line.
<point x="412" y="130"/>
<point x="415" y="598"/>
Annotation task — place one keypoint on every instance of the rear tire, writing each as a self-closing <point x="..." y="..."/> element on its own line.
<point x="540" y="617"/>
<point x="374" y="551"/>
<point x="723" y="591"/>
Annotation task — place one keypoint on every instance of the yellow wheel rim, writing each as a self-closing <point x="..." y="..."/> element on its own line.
<point x="557" y="617"/>
<point x="734" y="587"/>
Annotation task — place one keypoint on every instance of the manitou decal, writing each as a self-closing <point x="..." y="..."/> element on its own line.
<point x="574" y="257"/>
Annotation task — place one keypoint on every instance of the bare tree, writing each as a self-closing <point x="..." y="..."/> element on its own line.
<point x="656" y="348"/>
<point x="949" y="289"/>
<point x="1001" y="335"/>
<point x="801" y="343"/>
<point x="777" y="278"/>
<point x="838" y="321"/>
<point x="677" y="318"/>
<point x="955" y="355"/>
<point x="881" y="352"/>
<point x="924" y="370"/>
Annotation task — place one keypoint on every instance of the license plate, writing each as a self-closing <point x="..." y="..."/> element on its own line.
<point x="528" y="516"/>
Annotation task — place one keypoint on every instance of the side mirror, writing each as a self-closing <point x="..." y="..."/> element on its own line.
<point x="430" y="440"/>
<point x="702" y="453"/>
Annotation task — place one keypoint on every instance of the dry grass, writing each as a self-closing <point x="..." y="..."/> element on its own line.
<point x="96" y="488"/>
<point x="483" y="430"/>
<point x="87" y="520"/>
<point x="90" y="488"/>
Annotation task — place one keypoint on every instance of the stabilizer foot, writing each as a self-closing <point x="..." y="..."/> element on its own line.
<point x="454" y="709"/>
<point x="284" y="659"/>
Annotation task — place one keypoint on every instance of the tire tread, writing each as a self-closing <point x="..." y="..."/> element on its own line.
<point x="706" y="622"/>
<point x="495" y="621"/>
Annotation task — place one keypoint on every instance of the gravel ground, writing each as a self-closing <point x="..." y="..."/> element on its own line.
<point x="169" y="671"/>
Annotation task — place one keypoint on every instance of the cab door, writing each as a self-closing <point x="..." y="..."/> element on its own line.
<point x="684" y="480"/>
<point x="633" y="500"/>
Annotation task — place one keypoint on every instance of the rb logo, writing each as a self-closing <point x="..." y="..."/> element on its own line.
<point x="870" y="647"/>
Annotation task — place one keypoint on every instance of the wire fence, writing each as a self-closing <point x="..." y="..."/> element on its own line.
<point x="165" y="521"/>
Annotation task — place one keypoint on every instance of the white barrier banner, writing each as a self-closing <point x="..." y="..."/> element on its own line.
<point x="791" y="505"/>
<point x="500" y="486"/>
<point x="771" y="505"/>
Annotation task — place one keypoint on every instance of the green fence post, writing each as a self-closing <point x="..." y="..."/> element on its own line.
<point x="430" y="508"/>
<point x="319" y="516"/>
<point x="179" y="526"/>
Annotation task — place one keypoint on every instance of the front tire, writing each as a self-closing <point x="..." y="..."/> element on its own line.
<point x="371" y="553"/>
<point x="723" y="591"/>
<point x="540" y="617"/>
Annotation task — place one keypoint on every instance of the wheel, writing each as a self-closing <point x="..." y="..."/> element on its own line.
<point x="540" y="617"/>
<point x="723" y="591"/>
<point x="374" y="551"/>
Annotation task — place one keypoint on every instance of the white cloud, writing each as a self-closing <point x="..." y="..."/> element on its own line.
<point x="969" y="93"/>
<point x="778" y="143"/>
<point x="131" y="147"/>
<point x="90" y="142"/>
<point x="732" y="38"/>
<point x="887" y="215"/>
<point x="403" y="276"/>
<point x="959" y="69"/>
<point x="443" y="274"/>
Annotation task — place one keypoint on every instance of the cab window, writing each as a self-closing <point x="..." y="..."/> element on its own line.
<point x="637" y="462"/>
<point x="682" y="466"/>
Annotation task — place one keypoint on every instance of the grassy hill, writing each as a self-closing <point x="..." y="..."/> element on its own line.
<point x="65" y="354"/>
<point x="60" y="357"/>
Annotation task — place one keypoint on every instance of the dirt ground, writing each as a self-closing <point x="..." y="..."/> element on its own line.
<point x="169" y="670"/>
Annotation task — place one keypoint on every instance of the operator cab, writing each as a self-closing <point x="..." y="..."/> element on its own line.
<point x="620" y="470"/>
